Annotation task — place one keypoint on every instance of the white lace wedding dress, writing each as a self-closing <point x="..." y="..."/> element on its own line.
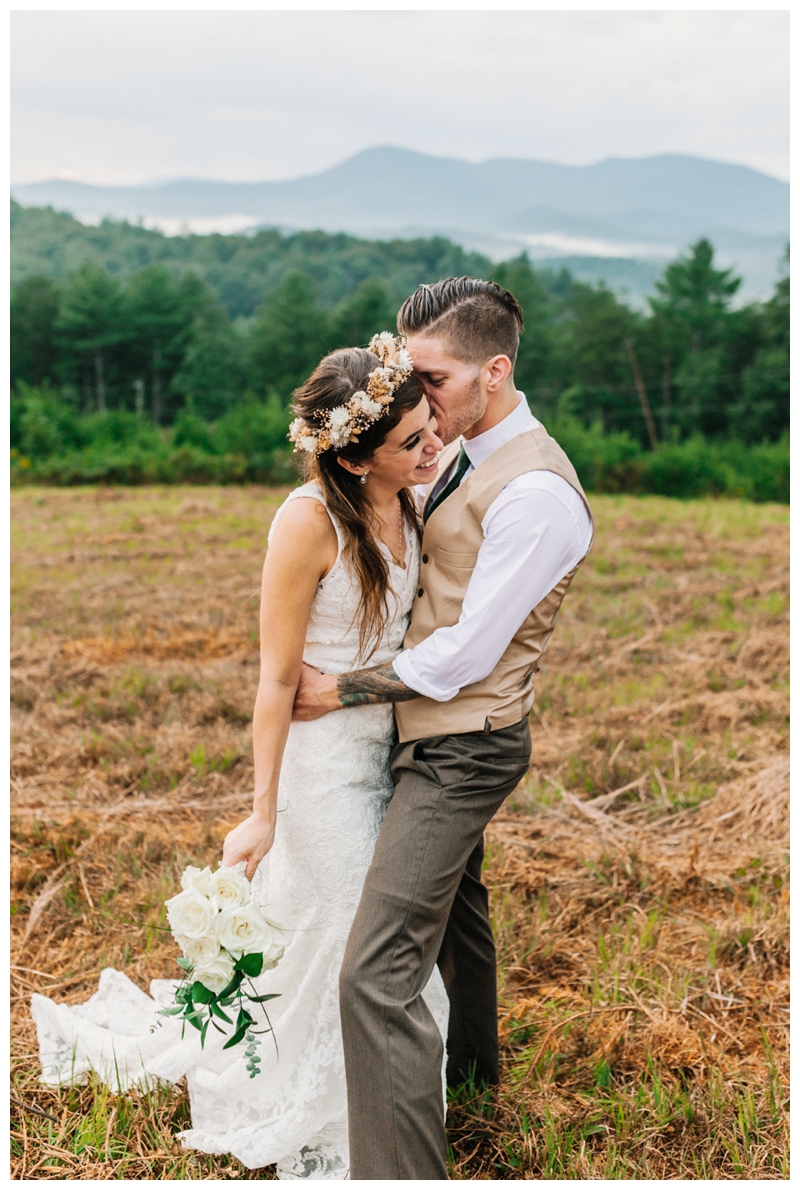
<point x="334" y="788"/>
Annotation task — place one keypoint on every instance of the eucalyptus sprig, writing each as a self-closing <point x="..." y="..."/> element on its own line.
<point x="198" y="1006"/>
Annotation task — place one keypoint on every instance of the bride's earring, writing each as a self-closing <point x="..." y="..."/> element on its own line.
<point x="363" y="478"/>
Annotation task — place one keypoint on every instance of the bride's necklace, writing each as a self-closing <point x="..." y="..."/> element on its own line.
<point x="399" y="557"/>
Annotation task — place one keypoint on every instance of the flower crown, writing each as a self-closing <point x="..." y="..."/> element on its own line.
<point x="343" y="424"/>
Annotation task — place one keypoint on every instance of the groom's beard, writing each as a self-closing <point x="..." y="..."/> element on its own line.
<point x="461" y="415"/>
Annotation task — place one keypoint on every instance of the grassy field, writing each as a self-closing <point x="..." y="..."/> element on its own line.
<point x="639" y="874"/>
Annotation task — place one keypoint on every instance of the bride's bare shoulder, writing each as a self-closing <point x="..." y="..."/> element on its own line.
<point x="304" y="523"/>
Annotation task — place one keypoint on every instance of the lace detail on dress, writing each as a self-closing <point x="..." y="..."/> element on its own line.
<point x="322" y="1159"/>
<point x="332" y="634"/>
<point x="333" y="792"/>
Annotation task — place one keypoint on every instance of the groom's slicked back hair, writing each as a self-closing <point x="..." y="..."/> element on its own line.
<point x="476" y="319"/>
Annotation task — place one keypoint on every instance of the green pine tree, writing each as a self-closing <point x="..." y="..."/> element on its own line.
<point x="535" y="358"/>
<point x="34" y="342"/>
<point x="369" y="311"/>
<point x="160" y="318"/>
<point x="692" y="319"/>
<point x="288" y="337"/>
<point x="91" y="325"/>
<point x="762" y="412"/>
<point x="212" y="372"/>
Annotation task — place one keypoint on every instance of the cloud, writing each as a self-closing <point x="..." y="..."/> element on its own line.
<point x="130" y="96"/>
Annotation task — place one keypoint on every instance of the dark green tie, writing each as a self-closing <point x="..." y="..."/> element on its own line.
<point x="451" y="485"/>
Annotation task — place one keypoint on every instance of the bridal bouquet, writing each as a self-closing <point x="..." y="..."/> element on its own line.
<point x="226" y="942"/>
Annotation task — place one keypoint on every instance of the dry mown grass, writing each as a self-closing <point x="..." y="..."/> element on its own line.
<point x="639" y="875"/>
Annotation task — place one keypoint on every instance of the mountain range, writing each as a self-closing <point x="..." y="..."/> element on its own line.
<point x="621" y="209"/>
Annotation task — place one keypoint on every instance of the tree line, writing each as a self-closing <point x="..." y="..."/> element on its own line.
<point x="159" y="343"/>
<point x="240" y="269"/>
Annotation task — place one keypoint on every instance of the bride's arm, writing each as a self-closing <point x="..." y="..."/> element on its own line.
<point x="302" y="551"/>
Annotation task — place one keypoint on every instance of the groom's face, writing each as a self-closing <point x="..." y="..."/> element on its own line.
<point x="453" y="386"/>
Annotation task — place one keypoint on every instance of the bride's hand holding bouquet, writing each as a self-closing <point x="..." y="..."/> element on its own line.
<point x="249" y="842"/>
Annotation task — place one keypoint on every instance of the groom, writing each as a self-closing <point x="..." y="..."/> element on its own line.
<point x="506" y="527"/>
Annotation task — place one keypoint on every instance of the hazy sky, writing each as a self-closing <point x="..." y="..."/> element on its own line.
<point x="120" y="97"/>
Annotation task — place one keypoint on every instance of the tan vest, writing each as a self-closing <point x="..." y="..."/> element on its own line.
<point x="450" y="544"/>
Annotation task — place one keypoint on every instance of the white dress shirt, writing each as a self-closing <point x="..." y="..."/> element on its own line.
<point x="535" y="531"/>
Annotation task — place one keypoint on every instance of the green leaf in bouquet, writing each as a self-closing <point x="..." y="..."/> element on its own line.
<point x="201" y="994"/>
<point x="217" y="1011"/>
<point x="203" y="1032"/>
<point x="194" y="1018"/>
<point x="244" y="1019"/>
<point x="237" y="1037"/>
<point x="226" y="995"/>
<point x="184" y="963"/>
<point x="250" y="964"/>
<point x="183" y="994"/>
<point x="174" y="1011"/>
<point x="262" y="999"/>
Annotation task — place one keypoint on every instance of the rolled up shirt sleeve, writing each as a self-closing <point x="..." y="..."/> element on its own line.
<point x="531" y="540"/>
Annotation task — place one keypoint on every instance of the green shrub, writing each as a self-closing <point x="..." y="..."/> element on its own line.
<point x="768" y="467"/>
<point x="701" y="468"/>
<point x="691" y="468"/>
<point x="617" y="463"/>
<point x="254" y="428"/>
<point x="191" y="430"/>
<point x="604" y="462"/>
<point x="43" y="423"/>
<point x="52" y="443"/>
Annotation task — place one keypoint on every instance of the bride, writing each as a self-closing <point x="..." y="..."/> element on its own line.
<point x="338" y="585"/>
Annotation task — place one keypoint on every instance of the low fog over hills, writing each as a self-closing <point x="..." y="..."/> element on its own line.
<point x="621" y="219"/>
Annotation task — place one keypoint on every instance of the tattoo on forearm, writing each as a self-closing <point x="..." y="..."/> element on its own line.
<point x="368" y="686"/>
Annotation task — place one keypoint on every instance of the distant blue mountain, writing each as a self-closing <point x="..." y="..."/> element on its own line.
<point x="646" y="208"/>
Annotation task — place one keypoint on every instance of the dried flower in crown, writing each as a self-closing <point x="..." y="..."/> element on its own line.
<point x="343" y="424"/>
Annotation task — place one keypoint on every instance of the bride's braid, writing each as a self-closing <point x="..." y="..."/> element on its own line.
<point x="335" y="379"/>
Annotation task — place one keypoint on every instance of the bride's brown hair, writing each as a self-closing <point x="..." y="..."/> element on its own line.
<point x="332" y="383"/>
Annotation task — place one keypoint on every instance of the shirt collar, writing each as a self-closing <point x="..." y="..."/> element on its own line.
<point x="519" y="420"/>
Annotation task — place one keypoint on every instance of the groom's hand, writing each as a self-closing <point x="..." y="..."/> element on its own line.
<point x="317" y="694"/>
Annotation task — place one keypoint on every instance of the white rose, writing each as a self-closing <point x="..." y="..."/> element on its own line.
<point x="190" y="914"/>
<point x="228" y="887"/>
<point x="273" y="953"/>
<point x="195" y="878"/>
<point x="215" y="974"/>
<point x="199" y="950"/>
<point x="243" y="930"/>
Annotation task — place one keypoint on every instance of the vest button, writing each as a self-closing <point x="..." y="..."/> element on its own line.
<point x="424" y="557"/>
<point x="419" y="593"/>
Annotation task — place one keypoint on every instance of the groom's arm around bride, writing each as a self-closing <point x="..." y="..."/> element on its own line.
<point x="506" y="526"/>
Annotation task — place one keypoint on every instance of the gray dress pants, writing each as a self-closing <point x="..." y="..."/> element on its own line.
<point x="468" y="965"/>
<point x="447" y="788"/>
